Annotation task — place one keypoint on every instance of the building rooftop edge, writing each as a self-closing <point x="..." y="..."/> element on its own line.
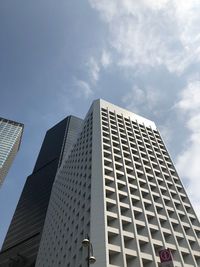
<point x="132" y="115"/>
<point x="13" y="122"/>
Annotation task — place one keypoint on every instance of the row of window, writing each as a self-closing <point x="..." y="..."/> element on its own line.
<point x="138" y="150"/>
<point x="70" y="205"/>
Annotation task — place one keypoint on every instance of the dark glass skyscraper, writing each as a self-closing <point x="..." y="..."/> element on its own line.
<point x="22" y="240"/>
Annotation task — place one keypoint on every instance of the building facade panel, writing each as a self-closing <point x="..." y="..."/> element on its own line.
<point x="68" y="217"/>
<point x="22" y="240"/>
<point x="10" y="139"/>
<point x="143" y="193"/>
<point x="136" y="204"/>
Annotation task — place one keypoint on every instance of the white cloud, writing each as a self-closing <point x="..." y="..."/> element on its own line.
<point x="83" y="89"/>
<point x="166" y="132"/>
<point x="134" y="98"/>
<point x="95" y="64"/>
<point x="155" y="4"/>
<point x="105" y="59"/>
<point x="142" y="99"/>
<point x="153" y="33"/>
<point x="94" y="69"/>
<point x="188" y="162"/>
<point x="190" y="98"/>
<point x="108" y="9"/>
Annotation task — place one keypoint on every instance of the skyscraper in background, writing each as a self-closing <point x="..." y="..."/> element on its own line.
<point x="22" y="240"/>
<point x="119" y="190"/>
<point x="10" y="139"/>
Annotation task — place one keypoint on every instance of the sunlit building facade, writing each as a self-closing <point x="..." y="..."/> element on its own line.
<point x="10" y="139"/>
<point x="118" y="188"/>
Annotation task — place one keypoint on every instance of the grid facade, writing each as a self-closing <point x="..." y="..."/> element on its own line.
<point x="10" y="138"/>
<point x="147" y="208"/>
<point x="68" y="216"/>
<point x="133" y="204"/>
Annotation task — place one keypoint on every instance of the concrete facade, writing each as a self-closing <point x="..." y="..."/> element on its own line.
<point x="119" y="187"/>
<point x="10" y="139"/>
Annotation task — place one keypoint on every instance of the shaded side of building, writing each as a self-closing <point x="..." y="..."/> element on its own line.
<point x="23" y="237"/>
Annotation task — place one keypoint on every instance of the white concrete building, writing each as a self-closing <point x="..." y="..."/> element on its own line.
<point x="10" y="140"/>
<point x="119" y="188"/>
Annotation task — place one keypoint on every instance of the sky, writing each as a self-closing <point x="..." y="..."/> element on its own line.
<point x="56" y="57"/>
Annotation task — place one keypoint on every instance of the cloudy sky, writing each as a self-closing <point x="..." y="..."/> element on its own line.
<point x="57" y="56"/>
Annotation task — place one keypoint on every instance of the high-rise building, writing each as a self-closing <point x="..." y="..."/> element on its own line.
<point x="10" y="139"/>
<point x="118" y="190"/>
<point x="22" y="240"/>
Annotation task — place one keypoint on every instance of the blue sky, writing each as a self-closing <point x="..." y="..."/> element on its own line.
<point x="57" y="56"/>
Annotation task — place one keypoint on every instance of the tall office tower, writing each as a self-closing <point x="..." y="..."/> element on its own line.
<point x="118" y="188"/>
<point x="22" y="240"/>
<point x="10" y="139"/>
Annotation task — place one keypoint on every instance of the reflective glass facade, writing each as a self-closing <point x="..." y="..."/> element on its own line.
<point x="21" y="244"/>
<point x="10" y="137"/>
